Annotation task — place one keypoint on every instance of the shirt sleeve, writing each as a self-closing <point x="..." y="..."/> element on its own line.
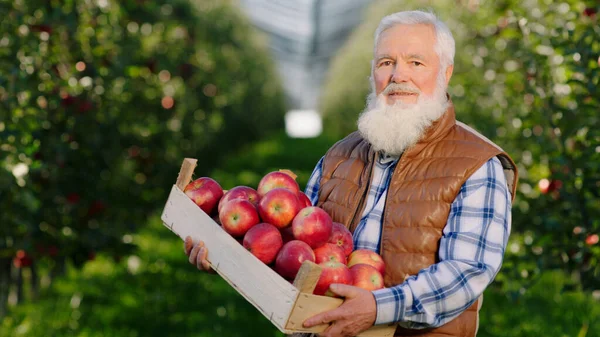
<point x="470" y="254"/>
<point x="312" y="187"/>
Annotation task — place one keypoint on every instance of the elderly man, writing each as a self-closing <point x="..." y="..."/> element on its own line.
<point x="429" y="194"/>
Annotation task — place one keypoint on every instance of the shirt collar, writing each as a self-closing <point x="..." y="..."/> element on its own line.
<point x="385" y="158"/>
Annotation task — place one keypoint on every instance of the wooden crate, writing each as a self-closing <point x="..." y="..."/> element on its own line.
<point x="286" y="305"/>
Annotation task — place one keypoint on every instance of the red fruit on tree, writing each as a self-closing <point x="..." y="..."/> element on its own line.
<point x="52" y="251"/>
<point x="22" y="259"/>
<point x="589" y="12"/>
<point x="85" y="106"/>
<point x="96" y="207"/>
<point x="73" y="198"/>
<point x="592" y="239"/>
<point x="544" y="185"/>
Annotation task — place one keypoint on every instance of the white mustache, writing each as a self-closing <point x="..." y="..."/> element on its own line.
<point x="392" y="87"/>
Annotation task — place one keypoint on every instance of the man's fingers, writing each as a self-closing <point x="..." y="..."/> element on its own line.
<point x="344" y="290"/>
<point x="197" y="254"/>
<point x="328" y="331"/>
<point x="199" y="259"/>
<point x="202" y="255"/>
<point x="324" y="318"/>
<point x="194" y="254"/>
<point x="206" y="265"/>
<point x="188" y="244"/>
<point x="333" y="330"/>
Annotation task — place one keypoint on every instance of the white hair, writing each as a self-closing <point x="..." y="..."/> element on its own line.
<point x="444" y="41"/>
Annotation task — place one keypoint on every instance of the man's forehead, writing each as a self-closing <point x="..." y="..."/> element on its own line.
<point x="418" y="39"/>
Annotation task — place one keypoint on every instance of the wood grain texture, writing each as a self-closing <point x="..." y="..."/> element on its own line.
<point x="186" y="172"/>
<point x="307" y="277"/>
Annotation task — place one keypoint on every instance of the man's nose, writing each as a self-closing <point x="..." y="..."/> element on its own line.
<point x="399" y="74"/>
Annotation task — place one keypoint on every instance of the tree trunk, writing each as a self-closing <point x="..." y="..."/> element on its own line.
<point x="35" y="282"/>
<point x="4" y="286"/>
<point x="59" y="268"/>
<point x="19" y="285"/>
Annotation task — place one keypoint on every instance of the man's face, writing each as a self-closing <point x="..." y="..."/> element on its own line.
<point x="405" y="55"/>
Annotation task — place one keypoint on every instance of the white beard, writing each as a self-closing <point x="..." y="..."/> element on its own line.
<point x="394" y="128"/>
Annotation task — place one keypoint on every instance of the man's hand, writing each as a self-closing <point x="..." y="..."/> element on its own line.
<point x="355" y="315"/>
<point x="197" y="255"/>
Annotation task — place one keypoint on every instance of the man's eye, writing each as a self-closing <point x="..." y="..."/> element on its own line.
<point x="385" y="63"/>
<point x="416" y="63"/>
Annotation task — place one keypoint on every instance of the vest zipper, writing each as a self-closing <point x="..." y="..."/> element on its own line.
<point x="353" y="224"/>
<point x="387" y="194"/>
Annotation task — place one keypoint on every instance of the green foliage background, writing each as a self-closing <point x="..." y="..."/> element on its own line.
<point x="100" y="101"/>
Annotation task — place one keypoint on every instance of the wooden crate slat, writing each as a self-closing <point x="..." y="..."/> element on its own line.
<point x="186" y="172"/>
<point x="307" y="277"/>
<point x="258" y="283"/>
<point x="309" y="305"/>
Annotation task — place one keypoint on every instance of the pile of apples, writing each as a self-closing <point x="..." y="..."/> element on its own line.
<point x="278" y="224"/>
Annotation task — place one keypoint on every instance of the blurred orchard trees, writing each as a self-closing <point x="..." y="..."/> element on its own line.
<point x="99" y="103"/>
<point x="526" y="75"/>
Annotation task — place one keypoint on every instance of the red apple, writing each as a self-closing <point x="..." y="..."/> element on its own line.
<point x="290" y="258"/>
<point x="275" y="180"/>
<point x="330" y="252"/>
<point x="286" y="234"/>
<point x="544" y="185"/>
<point x="22" y="259"/>
<point x="205" y="192"/>
<point x="366" y="276"/>
<point x="278" y="207"/>
<point x="590" y="12"/>
<point x="263" y="241"/>
<point x="239" y="192"/>
<point x="238" y="216"/>
<point x="592" y="239"/>
<point x="312" y="225"/>
<point x="367" y="257"/>
<point x="341" y="236"/>
<point x="332" y="272"/>
<point x="304" y="200"/>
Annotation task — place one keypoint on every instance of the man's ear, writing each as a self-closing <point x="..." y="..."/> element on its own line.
<point x="449" y="71"/>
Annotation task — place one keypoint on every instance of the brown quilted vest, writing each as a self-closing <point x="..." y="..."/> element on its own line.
<point x="424" y="184"/>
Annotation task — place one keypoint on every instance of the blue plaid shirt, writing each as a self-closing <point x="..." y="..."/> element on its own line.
<point x="470" y="254"/>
